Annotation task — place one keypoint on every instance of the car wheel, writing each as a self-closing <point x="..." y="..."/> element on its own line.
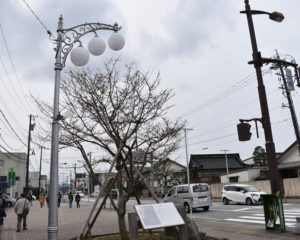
<point x="249" y="201"/>
<point x="206" y="208"/>
<point x="187" y="208"/>
<point x="9" y="204"/>
<point x="225" y="201"/>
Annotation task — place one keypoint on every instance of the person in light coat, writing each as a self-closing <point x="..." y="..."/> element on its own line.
<point x="22" y="209"/>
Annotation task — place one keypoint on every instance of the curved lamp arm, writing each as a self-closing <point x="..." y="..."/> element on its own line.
<point x="72" y="35"/>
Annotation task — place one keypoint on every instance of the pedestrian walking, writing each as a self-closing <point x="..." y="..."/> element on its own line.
<point x="29" y="198"/>
<point x="2" y="216"/>
<point x="42" y="199"/>
<point x="22" y="209"/>
<point x="70" y="197"/>
<point x="2" y="200"/>
<point x="47" y="200"/>
<point x="59" y="197"/>
<point x="77" y="199"/>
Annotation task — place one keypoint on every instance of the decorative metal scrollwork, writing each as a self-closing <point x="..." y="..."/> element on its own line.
<point x="72" y="35"/>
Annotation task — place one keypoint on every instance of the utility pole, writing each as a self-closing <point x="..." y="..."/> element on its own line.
<point x="187" y="154"/>
<point x="90" y="176"/>
<point x="290" y="102"/>
<point x="31" y="127"/>
<point x="41" y="156"/>
<point x="226" y="161"/>
<point x="75" y="182"/>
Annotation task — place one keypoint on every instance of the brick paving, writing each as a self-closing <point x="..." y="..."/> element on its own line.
<point x="70" y="222"/>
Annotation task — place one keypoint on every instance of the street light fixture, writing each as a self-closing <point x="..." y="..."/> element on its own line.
<point x="275" y="177"/>
<point x="65" y="41"/>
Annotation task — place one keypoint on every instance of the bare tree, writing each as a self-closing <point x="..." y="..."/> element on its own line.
<point x="118" y="107"/>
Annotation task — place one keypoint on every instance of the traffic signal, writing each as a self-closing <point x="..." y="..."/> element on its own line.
<point x="244" y="131"/>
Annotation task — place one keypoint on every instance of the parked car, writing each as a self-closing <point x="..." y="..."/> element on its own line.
<point x="241" y="193"/>
<point x="10" y="201"/>
<point x="81" y="194"/>
<point x="95" y="194"/>
<point x="198" y="196"/>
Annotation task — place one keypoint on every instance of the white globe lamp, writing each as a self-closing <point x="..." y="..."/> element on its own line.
<point x="96" y="46"/>
<point x="79" y="56"/>
<point x="116" y="41"/>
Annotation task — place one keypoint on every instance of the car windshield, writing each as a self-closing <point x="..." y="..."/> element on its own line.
<point x="251" y="189"/>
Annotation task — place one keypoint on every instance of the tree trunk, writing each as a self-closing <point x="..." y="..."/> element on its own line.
<point x="121" y="207"/>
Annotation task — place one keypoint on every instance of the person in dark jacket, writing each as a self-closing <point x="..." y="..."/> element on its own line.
<point x="59" y="197"/>
<point x="2" y="200"/>
<point x="2" y="216"/>
<point x="77" y="199"/>
<point x="70" y="197"/>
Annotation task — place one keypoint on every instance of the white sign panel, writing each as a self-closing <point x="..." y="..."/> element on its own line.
<point x="158" y="215"/>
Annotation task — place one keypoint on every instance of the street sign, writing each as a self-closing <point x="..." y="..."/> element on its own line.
<point x="11" y="177"/>
<point x="158" y="215"/>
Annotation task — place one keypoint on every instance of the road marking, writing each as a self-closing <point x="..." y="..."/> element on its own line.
<point x="285" y="214"/>
<point x="206" y="218"/>
<point x="244" y="220"/>
<point x="241" y="209"/>
<point x="294" y="211"/>
<point x="262" y="218"/>
<point x="254" y="221"/>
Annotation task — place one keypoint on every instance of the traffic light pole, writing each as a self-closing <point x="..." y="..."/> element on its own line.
<point x="275" y="177"/>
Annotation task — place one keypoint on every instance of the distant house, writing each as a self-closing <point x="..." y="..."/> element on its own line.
<point x="209" y="167"/>
<point x="165" y="174"/>
<point x="289" y="162"/>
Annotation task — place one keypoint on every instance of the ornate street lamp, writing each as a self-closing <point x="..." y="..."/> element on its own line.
<point x="65" y="41"/>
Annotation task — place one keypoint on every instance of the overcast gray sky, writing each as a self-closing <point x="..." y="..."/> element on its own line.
<point x="201" y="48"/>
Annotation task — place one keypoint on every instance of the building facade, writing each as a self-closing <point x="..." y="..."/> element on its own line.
<point x="17" y="162"/>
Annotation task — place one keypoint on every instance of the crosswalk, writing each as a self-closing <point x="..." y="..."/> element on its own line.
<point x="258" y="218"/>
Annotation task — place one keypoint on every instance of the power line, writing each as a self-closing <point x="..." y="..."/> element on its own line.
<point x="14" y="149"/>
<point x="13" y="87"/>
<point x="39" y="20"/>
<point x="12" y="128"/>
<point x="12" y="63"/>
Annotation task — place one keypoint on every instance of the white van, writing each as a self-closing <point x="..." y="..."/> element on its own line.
<point x="198" y="196"/>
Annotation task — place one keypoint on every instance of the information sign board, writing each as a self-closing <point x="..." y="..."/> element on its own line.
<point x="158" y="215"/>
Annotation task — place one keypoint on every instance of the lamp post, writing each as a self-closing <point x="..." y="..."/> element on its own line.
<point x="226" y="162"/>
<point x="275" y="177"/>
<point x="66" y="38"/>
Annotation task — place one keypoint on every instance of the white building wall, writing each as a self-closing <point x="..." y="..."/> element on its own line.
<point x="17" y="161"/>
<point x="243" y="176"/>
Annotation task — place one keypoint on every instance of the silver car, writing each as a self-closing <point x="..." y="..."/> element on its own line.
<point x="198" y="196"/>
<point x="9" y="201"/>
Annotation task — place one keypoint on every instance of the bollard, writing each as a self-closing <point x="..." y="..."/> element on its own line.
<point x="297" y="227"/>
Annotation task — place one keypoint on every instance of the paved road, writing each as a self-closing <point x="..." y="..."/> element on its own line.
<point x="243" y="214"/>
<point x="237" y="213"/>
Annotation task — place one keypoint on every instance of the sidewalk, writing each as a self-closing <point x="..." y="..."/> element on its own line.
<point x="70" y="223"/>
